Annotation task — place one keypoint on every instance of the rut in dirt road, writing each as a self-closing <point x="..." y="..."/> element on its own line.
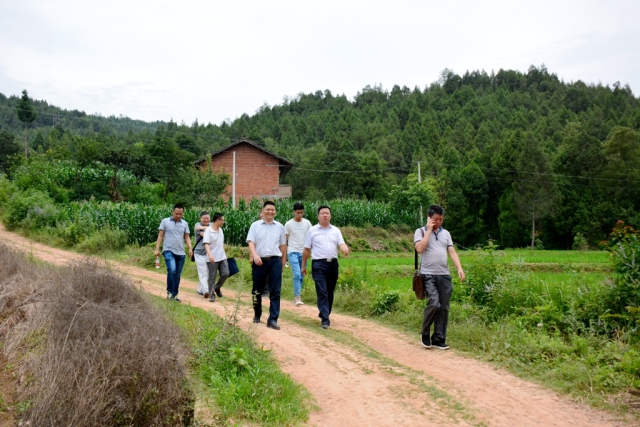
<point x="364" y="374"/>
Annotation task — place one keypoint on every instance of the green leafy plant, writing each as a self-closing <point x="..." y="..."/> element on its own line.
<point x="386" y="302"/>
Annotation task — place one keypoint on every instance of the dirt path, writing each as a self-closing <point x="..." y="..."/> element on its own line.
<point x="362" y="374"/>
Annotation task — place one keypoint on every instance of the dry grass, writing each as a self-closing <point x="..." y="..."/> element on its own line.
<point x="91" y="350"/>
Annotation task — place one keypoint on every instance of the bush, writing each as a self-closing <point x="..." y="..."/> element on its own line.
<point x="625" y="291"/>
<point x="102" y="240"/>
<point x="31" y="209"/>
<point x="580" y="243"/>
<point x="385" y="302"/>
<point x="95" y="351"/>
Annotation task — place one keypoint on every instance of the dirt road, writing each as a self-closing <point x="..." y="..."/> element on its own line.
<point x="363" y="374"/>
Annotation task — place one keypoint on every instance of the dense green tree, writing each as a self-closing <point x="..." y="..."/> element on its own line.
<point x="8" y="148"/>
<point x="535" y="193"/>
<point x="26" y="114"/>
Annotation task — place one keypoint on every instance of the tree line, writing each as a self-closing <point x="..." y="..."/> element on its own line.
<point x="519" y="158"/>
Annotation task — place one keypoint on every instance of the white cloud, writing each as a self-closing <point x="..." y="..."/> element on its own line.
<point x="208" y="60"/>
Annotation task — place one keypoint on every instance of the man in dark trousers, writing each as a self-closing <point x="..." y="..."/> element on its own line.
<point x="433" y="243"/>
<point x="268" y="249"/>
<point x="322" y="243"/>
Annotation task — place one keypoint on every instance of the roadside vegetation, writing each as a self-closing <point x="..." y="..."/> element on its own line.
<point x="89" y="350"/>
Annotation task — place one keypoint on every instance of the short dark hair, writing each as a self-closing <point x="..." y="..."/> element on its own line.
<point x="268" y="202"/>
<point x="203" y="213"/>
<point x="298" y="206"/>
<point x="216" y="216"/>
<point x="178" y="206"/>
<point x="435" y="209"/>
<point x="324" y="207"/>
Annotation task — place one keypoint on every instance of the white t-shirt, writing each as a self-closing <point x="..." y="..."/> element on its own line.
<point x="297" y="231"/>
<point x="215" y="239"/>
<point x="323" y="242"/>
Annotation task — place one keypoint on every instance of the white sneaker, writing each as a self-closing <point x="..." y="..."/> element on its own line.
<point x="297" y="301"/>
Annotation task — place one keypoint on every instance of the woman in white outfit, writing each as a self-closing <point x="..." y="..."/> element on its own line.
<point x="217" y="258"/>
<point x="200" y="254"/>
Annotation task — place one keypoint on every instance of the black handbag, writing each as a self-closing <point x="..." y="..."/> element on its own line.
<point x="233" y="266"/>
<point x="418" y="285"/>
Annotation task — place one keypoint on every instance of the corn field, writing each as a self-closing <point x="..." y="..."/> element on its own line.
<point x="141" y="221"/>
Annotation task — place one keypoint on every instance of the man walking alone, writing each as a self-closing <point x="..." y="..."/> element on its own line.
<point x="433" y="243"/>
<point x="174" y="230"/>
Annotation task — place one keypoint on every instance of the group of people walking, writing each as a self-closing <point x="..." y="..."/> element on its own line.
<point x="272" y="245"/>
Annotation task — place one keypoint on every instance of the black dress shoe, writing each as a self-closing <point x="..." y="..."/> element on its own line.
<point x="256" y="319"/>
<point x="273" y="325"/>
<point x="217" y="291"/>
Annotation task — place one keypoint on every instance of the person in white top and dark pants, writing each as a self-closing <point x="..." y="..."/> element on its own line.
<point x="321" y="244"/>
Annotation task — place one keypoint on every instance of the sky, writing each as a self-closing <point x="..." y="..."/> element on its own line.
<point x="214" y="61"/>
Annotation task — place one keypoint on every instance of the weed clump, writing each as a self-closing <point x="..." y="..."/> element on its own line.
<point x="91" y="349"/>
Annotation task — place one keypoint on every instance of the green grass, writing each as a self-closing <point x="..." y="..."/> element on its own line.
<point x="241" y="380"/>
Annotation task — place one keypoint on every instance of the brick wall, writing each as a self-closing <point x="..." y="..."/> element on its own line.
<point x="257" y="173"/>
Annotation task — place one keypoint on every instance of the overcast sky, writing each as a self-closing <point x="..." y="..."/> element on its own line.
<point x="182" y="60"/>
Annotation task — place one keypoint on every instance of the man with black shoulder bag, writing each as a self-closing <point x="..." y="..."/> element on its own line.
<point x="434" y="244"/>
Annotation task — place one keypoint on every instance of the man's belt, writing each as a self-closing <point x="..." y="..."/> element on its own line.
<point x="326" y="259"/>
<point x="268" y="258"/>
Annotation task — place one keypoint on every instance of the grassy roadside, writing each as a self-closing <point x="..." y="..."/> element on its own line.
<point x="235" y="379"/>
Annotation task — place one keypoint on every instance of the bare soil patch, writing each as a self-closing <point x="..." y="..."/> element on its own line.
<point x="363" y="374"/>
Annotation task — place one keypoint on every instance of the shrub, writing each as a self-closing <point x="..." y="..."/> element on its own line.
<point x="105" y="239"/>
<point x="482" y="275"/>
<point x="625" y="291"/>
<point x="385" y="302"/>
<point x="580" y="243"/>
<point x="94" y="350"/>
<point x="31" y="208"/>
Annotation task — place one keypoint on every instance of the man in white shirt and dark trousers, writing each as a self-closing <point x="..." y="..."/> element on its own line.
<point x="296" y="231"/>
<point x="433" y="243"/>
<point x="268" y="249"/>
<point x="322" y="243"/>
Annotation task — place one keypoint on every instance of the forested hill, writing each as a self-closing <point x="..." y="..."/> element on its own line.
<point x="505" y="153"/>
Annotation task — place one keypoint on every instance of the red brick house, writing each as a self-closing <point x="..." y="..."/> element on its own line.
<point x="257" y="171"/>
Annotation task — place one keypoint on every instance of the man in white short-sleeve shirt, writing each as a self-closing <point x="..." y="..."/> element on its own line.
<point x="321" y="244"/>
<point x="434" y="243"/>
<point x="268" y="249"/>
<point x="296" y="231"/>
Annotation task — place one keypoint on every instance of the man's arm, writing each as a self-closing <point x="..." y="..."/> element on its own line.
<point x="254" y="254"/>
<point x="422" y="244"/>
<point x="305" y="256"/>
<point x="188" y="239"/>
<point x="207" y="247"/>
<point x="345" y="249"/>
<point x="283" y="251"/>
<point x="456" y="261"/>
<point x="158" y="243"/>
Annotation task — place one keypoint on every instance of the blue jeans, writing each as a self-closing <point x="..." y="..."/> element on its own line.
<point x="325" y="274"/>
<point x="174" y="270"/>
<point x="295" y="261"/>
<point x="268" y="274"/>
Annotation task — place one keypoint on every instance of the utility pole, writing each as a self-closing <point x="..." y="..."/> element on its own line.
<point x="419" y="181"/>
